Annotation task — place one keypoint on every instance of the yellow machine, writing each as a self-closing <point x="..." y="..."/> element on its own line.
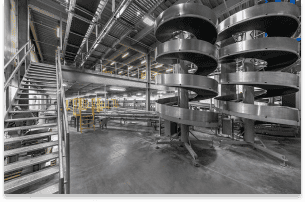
<point x="82" y="104"/>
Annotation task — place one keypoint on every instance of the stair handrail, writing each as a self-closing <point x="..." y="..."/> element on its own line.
<point x="16" y="54"/>
<point x="60" y="136"/>
<point x="66" y="125"/>
<point x="17" y="68"/>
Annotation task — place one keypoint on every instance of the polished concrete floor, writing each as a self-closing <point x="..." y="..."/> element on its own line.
<point x="124" y="162"/>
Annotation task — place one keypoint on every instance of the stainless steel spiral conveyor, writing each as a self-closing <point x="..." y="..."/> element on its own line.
<point x="259" y="60"/>
<point x="187" y="33"/>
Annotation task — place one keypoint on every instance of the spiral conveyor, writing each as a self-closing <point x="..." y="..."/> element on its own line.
<point x="259" y="61"/>
<point x="277" y="50"/>
<point x="187" y="33"/>
<point x="261" y="48"/>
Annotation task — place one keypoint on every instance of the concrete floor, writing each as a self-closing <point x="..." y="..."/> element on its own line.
<point x="125" y="162"/>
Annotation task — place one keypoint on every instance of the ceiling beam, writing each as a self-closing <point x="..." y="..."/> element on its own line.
<point x="91" y="27"/>
<point x="68" y="27"/>
<point x="32" y="27"/>
<point x="130" y="43"/>
<point x="120" y="10"/>
<point x="44" y="12"/>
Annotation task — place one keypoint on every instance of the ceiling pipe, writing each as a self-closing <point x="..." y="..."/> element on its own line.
<point x="95" y="19"/>
<point x="130" y="30"/>
<point x="123" y="6"/>
<point x="69" y="21"/>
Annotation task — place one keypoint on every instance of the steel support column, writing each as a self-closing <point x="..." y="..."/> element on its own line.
<point x="184" y="103"/>
<point x="148" y="75"/>
<point x="60" y="32"/>
<point x="248" y="97"/>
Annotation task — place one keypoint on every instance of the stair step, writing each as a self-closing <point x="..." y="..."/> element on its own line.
<point x="27" y="137"/>
<point x="37" y="81"/>
<point x="42" y="64"/>
<point x="51" y="189"/>
<point x="30" y="127"/>
<point x="23" y="105"/>
<point x="33" y="99"/>
<point x="42" y="70"/>
<point x="39" y="78"/>
<point x="37" y="93"/>
<point x="30" y="111"/>
<point x="29" y="179"/>
<point x="28" y="162"/>
<point x="37" y="89"/>
<point x="30" y="118"/>
<point x="36" y="85"/>
<point x="20" y="150"/>
<point x="36" y="68"/>
<point x="42" y="75"/>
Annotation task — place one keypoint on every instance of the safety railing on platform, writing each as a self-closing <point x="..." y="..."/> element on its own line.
<point x="63" y="132"/>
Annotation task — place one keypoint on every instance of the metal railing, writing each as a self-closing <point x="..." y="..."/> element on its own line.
<point x="63" y="132"/>
<point x="26" y="53"/>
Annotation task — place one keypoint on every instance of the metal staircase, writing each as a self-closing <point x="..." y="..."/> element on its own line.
<point x="36" y="152"/>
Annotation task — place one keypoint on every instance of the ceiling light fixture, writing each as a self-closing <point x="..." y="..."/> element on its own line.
<point x="112" y="63"/>
<point x="125" y="55"/>
<point x="114" y="88"/>
<point x="100" y="92"/>
<point x="169" y="70"/>
<point x="120" y="72"/>
<point x="104" y="68"/>
<point x="130" y="67"/>
<point x="144" y="61"/>
<point x="160" y="65"/>
<point x="147" y="20"/>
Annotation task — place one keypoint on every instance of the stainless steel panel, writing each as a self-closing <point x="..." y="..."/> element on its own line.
<point x="201" y="53"/>
<point x="273" y="114"/>
<point x="191" y="17"/>
<point x="278" y="52"/>
<point x="276" y="19"/>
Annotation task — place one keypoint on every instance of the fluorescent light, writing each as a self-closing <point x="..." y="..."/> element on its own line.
<point x="95" y="46"/>
<point x="125" y="95"/>
<point x="144" y="70"/>
<point x="169" y="70"/>
<point x="138" y="13"/>
<point x="120" y="72"/>
<point x="144" y="61"/>
<point x="64" y="84"/>
<point x="100" y="92"/>
<point x="104" y="68"/>
<point x="125" y="55"/>
<point x="139" y="93"/>
<point x="147" y="20"/>
<point x="112" y="63"/>
<point x="57" y="32"/>
<point x="133" y="74"/>
<point x="160" y="65"/>
<point x="130" y="67"/>
<point x="114" y="88"/>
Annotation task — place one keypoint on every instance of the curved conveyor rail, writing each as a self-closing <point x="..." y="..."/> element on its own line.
<point x="278" y="50"/>
<point x="201" y="22"/>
